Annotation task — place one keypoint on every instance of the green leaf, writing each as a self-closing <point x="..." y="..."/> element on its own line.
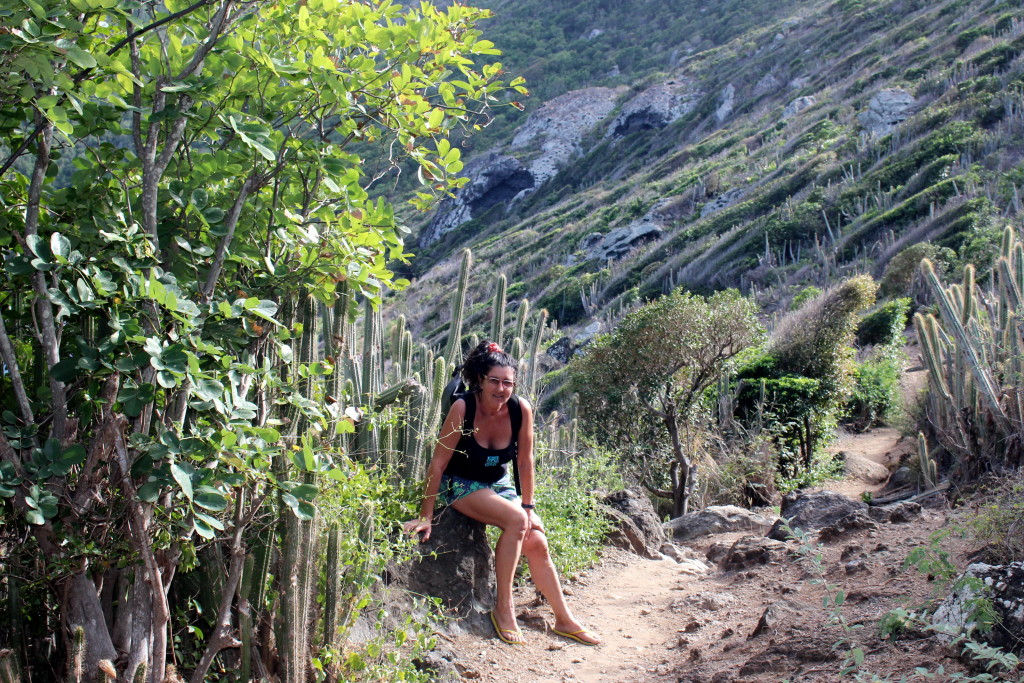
<point x="182" y="473"/>
<point x="166" y="379"/>
<point x="300" y="509"/>
<point x="211" y="499"/>
<point x="305" y="492"/>
<point x="66" y="370"/>
<point x="60" y="246"/>
<point x="80" y="57"/>
<point x="210" y="520"/>
<point x="149" y="492"/>
<point x="35" y="517"/>
<point x="208" y="389"/>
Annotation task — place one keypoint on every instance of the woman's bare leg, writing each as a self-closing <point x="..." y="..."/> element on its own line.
<point x="545" y="578"/>
<point x="488" y="507"/>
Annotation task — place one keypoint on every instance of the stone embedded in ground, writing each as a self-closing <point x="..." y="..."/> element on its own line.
<point x="897" y="513"/>
<point x="637" y="526"/>
<point x="787" y="655"/>
<point x="751" y="551"/>
<point x="1004" y="588"/>
<point x="440" y="663"/>
<point x="716" y="519"/>
<point x="710" y="602"/>
<point x="850" y="524"/>
<point x="811" y="511"/>
<point x="777" y="615"/>
<point x="679" y="553"/>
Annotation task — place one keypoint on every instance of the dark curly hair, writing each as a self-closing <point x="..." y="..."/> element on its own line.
<point x="479" y="360"/>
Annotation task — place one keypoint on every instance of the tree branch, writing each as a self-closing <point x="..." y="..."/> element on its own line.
<point x="251" y="184"/>
<point x="47" y="328"/>
<point x="11" y="362"/>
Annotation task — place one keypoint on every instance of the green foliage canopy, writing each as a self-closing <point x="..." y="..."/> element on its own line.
<point x="655" y="367"/>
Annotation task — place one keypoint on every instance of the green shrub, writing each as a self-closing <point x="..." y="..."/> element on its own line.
<point x="803" y="296"/>
<point x="884" y="326"/>
<point x="998" y="521"/>
<point x="575" y="525"/>
<point x="876" y="393"/>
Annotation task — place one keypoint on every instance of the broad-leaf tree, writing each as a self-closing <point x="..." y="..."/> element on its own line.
<point x="653" y="370"/>
<point x="182" y="189"/>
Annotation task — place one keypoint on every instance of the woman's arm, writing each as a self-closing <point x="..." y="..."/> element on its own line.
<point x="447" y="440"/>
<point x="526" y="468"/>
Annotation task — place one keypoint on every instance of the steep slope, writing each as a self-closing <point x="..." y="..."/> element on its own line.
<point x="823" y="140"/>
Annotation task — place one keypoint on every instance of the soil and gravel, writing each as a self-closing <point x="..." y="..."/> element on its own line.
<point x="662" y="621"/>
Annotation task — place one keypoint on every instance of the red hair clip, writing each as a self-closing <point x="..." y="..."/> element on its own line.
<point x="493" y="348"/>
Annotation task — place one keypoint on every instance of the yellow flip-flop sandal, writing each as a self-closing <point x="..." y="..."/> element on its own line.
<point x="502" y="631"/>
<point x="575" y="635"/>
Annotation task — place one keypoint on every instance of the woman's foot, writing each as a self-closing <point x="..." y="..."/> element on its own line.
<point x="573" y="630"/>
<point x="510" y="636"/>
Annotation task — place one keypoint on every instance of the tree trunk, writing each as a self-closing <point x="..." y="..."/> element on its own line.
<point x="82" y="608"/>
<point x="682" y="484"/>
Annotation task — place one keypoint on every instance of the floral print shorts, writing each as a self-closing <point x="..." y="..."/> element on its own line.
<point x="453" y="488"/>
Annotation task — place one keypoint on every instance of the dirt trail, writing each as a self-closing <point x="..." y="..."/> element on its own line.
<point x="662" y="623"/>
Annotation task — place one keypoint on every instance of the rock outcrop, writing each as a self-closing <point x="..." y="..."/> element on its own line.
<point x="886" y="109"/>
<point x="637" y="527"/>
<point x="716" y="519"/>
<point x="1004" y="587"/>
<point x="541" y="147"/>
<point x="620" y="241"/>
<point x="457" y="566"/>
<point x="812" y="511"/>
<point x="722" y="201"/>
<point x="552" y="134"/>
<point x="655" y="107"/>
<point x="726" y="102"/>
<point x="798" y="105"/>
<point x="494" y="179"/>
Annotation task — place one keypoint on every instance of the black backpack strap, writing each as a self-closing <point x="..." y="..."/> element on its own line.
<point x="515" y="412"/>
<point x="470" y="417"/>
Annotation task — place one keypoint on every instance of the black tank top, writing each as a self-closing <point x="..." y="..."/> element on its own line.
<point x="472" y="461"/>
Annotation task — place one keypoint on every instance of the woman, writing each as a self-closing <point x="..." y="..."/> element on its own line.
<point x="469" y="472"/>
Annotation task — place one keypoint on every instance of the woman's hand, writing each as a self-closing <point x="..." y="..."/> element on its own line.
<point x="535" y="522"/>
<point x="416" y="526"/>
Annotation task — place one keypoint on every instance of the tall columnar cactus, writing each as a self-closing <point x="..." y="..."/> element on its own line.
<point x="498" y="310"/>
<point x="929" y="468"/>
<point x="454" y="348"/>
<point x="535" y="344"/>
<point x="76" y="655"/>
<point x="973" y="353"/>
<point x="522" y="318"/>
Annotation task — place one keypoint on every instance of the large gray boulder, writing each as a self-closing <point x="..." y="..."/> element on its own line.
<point x="494" y="179"/>
<point x="1004" y="587"/>
<point x="457" y="565"/>
<point x="716" y="519"/>
<point x="797" y="106"/>
<point x="655" y="107"/>
<point x="886" y="109"/>
<point x="637" y="527"/>
<point x="812" y="511"/>
<point x="620" y="241"/>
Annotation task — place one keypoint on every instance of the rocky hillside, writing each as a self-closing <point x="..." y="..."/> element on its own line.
<point x="766" y="148"/>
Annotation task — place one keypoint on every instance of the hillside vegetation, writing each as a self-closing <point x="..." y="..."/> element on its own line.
<point x="798" y="196"/>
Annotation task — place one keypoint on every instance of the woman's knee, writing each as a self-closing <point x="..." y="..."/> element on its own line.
<point x="535" y="544"/>
<point x="516" y="522"/>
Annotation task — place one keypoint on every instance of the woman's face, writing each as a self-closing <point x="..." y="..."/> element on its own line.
<point x="498" y="383"/>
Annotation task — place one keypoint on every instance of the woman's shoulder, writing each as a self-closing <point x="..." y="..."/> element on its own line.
<point x="524" y="404"/>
